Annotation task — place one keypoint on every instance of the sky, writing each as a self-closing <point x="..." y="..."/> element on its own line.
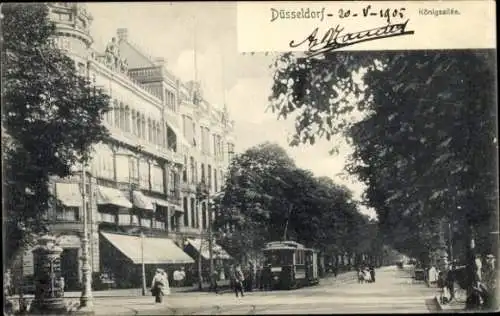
<point x="241" y="81"/>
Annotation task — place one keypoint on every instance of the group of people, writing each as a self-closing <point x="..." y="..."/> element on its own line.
<point x="366" y="274"/>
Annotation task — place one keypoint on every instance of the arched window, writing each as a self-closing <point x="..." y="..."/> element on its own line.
<point x="127" y="119"/>
<point x="143" y="120"/>
<point x="139" y="125"/>
<point x="116" y="110"/>
<point x="122" y="116"/>
<point x="150" y="137"/>
<point x="159" y="139"/>
<point x="202" y="172"/>
<point x="155" y="133"/>
<point x="193" y="169"/>
<point x="184" y="170"/>
<point x="134" y="122"/>
<point x="215" y="181"/>
<point x="204" y="215"/>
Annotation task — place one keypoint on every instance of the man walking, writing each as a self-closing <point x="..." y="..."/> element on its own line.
<point x="239" y="278"/>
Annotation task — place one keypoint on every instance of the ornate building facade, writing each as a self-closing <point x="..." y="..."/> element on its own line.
<point x="165" y="140"/>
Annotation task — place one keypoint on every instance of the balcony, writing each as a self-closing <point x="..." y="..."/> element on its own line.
<point x="159" y="225"/>
<point x="151" y="74"/>
<point x="134" y="141"/>
<point x="175" y="197"/>
<point x="106" y="218"/>
<point x="146" y="222"/>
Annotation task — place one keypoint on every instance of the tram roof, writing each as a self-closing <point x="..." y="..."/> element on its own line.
<point x="284" y="245"/>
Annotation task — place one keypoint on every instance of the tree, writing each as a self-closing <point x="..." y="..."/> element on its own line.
<point x="266" y="198"/>
<point x="51" y="117"/>
<point x="424" y="133"/>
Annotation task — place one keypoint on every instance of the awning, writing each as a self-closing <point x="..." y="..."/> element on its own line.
<point x="160" y="202"/>
<point x="180" y="137"/>
<point x="156" y="250"/>
<point x="112" y="196"/>
<point x="69" y="194"/>
<point x="141" y="201"/>
<point x="217" y="251"/>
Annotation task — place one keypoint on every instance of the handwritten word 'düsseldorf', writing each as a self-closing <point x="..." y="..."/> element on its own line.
<point x="297" y="14"/>
<point x="336" y="37"/>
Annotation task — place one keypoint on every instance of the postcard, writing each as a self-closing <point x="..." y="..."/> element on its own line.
<point x="253" y="157"/>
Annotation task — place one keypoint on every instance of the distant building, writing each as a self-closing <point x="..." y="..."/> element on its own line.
<point x="165" y="139"/>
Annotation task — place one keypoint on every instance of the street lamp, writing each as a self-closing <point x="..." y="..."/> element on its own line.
<point x="143" y="266"/>
<point x="86" y="300"/>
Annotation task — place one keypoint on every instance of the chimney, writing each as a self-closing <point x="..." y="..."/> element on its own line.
<point x="122" y="34"/>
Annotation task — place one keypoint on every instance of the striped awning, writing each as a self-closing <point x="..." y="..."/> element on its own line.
<point x="69" y="194"/>
<point x="161" y="202"/>
<point x="112" y="196"/>
<point x="143" y="202"/>
<point x="148" y="249"/>
<point x="217" y="251"/>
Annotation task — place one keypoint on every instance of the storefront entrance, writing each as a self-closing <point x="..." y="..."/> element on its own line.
<point x="70" y="269"/>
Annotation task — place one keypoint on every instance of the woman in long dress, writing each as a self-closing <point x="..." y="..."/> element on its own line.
<point x="159" y="285"/>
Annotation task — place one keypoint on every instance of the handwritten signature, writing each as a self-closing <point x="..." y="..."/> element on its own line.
<point x="336" y="38"/>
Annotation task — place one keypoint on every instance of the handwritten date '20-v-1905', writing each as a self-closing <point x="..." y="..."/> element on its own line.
<point x="335" y="37"/>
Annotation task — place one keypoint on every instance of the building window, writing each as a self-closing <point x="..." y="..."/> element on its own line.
<point x="209" y="177"/>
<point x="124" y="219"/>
<point x="122" y="116"/>
<point x="172" y="182"/>
<point x="203" y="173"/>
<point x="216" y="187"/>
<point x="203" y="215"/>
<point x="185" y="208"/>
<point x="193" y="169"/>
<point x="134" y="123"/>
<point x="127" y="119"/>
<point x="122" y="168"/>
<point x="157" y="179"/>
<point x="134" y="170"/>
<point x="160" y="217"/>
<point x="143" y="123"/>
<point x="116" y="111"/>
<point x="184" y="170"/>
<point x="144" y="174"/>
<point x="68" y="214"/>
<point x="194" y="134"/>
<point x="149" y="131"/>
<point x="193" y="213"/>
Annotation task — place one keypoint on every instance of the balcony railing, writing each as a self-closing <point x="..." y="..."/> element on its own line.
<point x="107" y="218"/>
<point x="145" y="222"/>
<point x="159" y="225"/>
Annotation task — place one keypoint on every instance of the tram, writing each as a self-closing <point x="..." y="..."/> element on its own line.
<point x="292" y="265"/>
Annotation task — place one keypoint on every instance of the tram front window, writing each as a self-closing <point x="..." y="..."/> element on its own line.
<point x="279" y="258"/>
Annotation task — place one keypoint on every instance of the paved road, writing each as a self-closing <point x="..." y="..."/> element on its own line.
<point x="393" y="292"/>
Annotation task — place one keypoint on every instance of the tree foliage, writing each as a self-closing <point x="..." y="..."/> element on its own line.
<point x="51" y="116"/>
<point x="424" y="140"/>
<point x="268" y="198"/>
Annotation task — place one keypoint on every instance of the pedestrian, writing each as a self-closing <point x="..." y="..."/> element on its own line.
<point x="433" y="275"/>
<point x="7" y="285"/>
<point x="158" y="286"/>
<point x="478" y="265"/>
<point x="179" y="276"/>
<point x="239" y="278"/>
<point x="213" y="281"/>
<point x="372" y="273"/>
<point x="166" y="289"/>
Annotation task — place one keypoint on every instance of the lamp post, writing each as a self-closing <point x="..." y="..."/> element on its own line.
<point x="143" y="266"/>
<point x="86" y="300"/>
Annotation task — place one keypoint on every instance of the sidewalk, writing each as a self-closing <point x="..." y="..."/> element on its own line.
<point x="452" y="307"/>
